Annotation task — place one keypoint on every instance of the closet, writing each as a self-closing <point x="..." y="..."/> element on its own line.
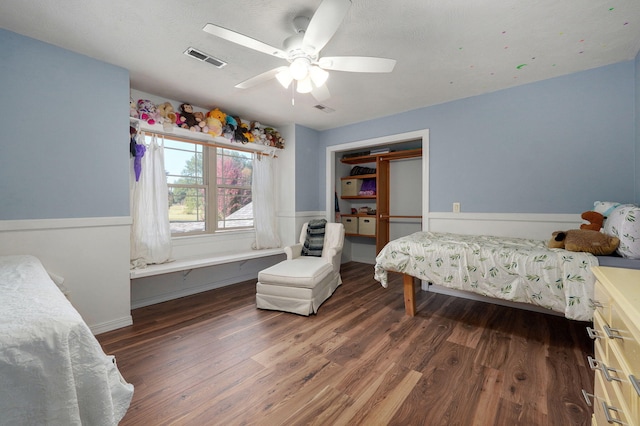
<point x="366" y="191"/>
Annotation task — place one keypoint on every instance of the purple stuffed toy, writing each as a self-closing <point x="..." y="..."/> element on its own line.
<point x="137" y="161"/>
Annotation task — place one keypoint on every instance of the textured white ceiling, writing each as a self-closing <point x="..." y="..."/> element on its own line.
<point x="445" y="50"/>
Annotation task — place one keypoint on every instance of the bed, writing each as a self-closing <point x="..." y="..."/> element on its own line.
<point x="514" y="269"/>
<point x="52" y="369"/>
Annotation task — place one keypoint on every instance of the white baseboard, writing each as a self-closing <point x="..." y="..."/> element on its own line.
<point x="111" y="325"/>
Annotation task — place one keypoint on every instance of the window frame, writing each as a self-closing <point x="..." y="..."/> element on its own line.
<point x="211" y="186"/>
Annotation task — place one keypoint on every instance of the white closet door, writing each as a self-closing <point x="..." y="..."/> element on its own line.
<point x="405" y="196"/>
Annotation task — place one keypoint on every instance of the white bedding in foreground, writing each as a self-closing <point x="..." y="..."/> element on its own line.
<point x="514" y="269"/>
<point x="52" y="369"/>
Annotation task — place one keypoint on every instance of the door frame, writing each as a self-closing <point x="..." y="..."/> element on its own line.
<point x="333" y="150"/>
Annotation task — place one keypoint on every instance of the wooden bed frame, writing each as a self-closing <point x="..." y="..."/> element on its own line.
<point x="409" y="281"/>
<point x="409" y="284"/>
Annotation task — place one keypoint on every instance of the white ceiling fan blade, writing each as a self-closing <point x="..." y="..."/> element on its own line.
<point x="325" y="23"/>
<point x="357" y="64"/>
<point x="243" y="40"/>
<point x="321" y="93"/>
<point x="260" y="78"/>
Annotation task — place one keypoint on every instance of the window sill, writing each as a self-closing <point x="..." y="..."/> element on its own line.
<point x="201" y="262"/>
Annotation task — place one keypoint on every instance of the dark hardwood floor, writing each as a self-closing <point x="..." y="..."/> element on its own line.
<point x="214" y="359"/>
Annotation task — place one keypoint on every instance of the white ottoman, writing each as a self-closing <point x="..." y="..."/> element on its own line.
<point x="298" y="286"/>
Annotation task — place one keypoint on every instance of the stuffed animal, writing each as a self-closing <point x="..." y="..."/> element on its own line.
<point x="239" y="133"/>
<point x="214" y="126"/>
<point x="274" y="138"/>
<point x="148" y="111"/>
<point x="585" y="240"/>
<point x="594" y="219"/>
<point x="258" y="133"/>
<point x="229" y="127"/>
<point x="133" y="110"/>
<point x="189" y="118"/>
<point x="246" y="132"/>
<point x="168" y="115"/>
<point x="216" y="113"/>
<point x="180" y="120"/>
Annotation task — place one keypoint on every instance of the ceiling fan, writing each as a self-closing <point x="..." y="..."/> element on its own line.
<point x="302" y="50"/>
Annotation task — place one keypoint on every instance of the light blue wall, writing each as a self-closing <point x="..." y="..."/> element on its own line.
<point x="554" y="146"/>
<point x="63" y="133"/>
<point x="308" y="170"/>
<point x="637" y="123"/>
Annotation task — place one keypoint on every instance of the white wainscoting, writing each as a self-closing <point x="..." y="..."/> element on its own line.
<point x="91" y="254"/>
<point x="520" y="225"/>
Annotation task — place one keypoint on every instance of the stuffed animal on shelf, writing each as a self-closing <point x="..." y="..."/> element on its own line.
<point x="180" y="120"/>
<point x="585" y="240"/>
<point x="133" y="110"/>
<point x="229" y="127"/>
<point x="200" y="121"/>
<point x="186" y="111"/>
<point x="258" y="133"/>
<point x="168" y="115"/>
<point x="239" y="133"/>
<point x="594" y="219"/>
<point x="148" y="111"/>
<point x="214" y="127"/>
<point x="274" y="138"/>
<point x="246" y="132"/>
<point x="216" y="113"/>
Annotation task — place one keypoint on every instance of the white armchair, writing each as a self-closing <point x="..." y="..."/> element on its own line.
<point x="301" y="284"/>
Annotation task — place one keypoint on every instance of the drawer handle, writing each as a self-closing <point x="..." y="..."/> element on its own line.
<point x="635" y="383"/>
<point x="612" y="333"/>
<point x="607" y="414"/>
<point x="593" y="333"/>
<point x="586" y="395"/>
<point x="595" y="304"/>
<point x="599" y="365"/>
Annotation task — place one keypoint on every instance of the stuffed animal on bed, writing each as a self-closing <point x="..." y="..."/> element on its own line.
<point x="594" y="219"/>
<point x="585" y="240"/>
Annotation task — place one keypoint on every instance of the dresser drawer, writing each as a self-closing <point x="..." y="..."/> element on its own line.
<point x="602" y="301"/>
<point x="623" y="330"/>
<point x="600" y="337"/>
<point x="606" y="405"/>
<point x="621" y="381"/>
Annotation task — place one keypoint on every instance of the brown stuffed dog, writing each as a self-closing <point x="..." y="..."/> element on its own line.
<point x="585" y="240"/>
<point x="595" y="220"/>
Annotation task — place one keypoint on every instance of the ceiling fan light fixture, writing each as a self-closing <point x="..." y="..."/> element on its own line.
<point x="318" y="75"/>
<point x="304" y="85"/>
<point x="284" y="77"/>
<point x="299" y="68"/>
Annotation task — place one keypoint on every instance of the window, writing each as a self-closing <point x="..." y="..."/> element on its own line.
<point x="209" y="187"/>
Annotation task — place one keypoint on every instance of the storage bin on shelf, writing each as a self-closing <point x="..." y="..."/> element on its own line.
<point x="351" y="187"/>
<point x="367" y="225"/>
<point x="350" y="225"/>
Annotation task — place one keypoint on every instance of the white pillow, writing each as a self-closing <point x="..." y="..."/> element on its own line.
<point x="605" y="208"/>
<point x="624" y="223"/>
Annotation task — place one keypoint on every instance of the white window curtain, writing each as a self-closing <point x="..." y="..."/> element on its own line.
<point x="150" y="232"/>
<point x="264" y="204"/>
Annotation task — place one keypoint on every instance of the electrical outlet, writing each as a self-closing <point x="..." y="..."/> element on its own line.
<point x="456" y="207"/>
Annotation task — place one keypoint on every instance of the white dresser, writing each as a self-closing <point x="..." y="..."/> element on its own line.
<point x="616" y="331"/>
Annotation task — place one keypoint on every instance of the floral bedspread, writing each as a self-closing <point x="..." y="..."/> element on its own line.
<point x="515" y="269"/>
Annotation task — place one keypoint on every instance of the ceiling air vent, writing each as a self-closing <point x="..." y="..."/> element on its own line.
<point x="324" y="108"/>
<point x="201" y="56"/>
